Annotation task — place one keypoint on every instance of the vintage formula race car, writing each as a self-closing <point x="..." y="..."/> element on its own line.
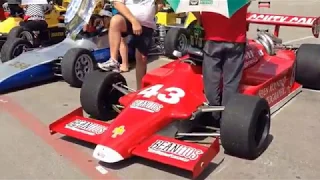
<point x="173" y="32"/>
<point x="71" y="59"/>
<point x="152" y="122"/>
<point x="55" y="32"/>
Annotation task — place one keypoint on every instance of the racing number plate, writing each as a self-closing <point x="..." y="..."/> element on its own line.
<point x="20" y="65"/>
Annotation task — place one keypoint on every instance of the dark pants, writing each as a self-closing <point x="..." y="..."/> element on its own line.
<point x="142" y="42"/>
<point x="222" y="61"/>
<point x="35" y="25"/>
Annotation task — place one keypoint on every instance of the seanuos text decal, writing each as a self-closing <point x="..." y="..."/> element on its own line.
<point x="146" y="105"/>
<point x="86" y="127"/>
<point x="175" y="151"/>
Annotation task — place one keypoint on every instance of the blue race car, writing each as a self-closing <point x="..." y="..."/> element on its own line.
<point x="71" y="59"/>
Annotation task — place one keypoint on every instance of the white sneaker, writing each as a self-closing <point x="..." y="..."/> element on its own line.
<point x="110" y="65"/>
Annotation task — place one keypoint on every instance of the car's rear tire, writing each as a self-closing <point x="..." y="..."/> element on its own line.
<point x="176" y="39"/>
<point x="245" y="126"/>
<point x="76" y="64"/>
<point x="21" y="32"/>
<point x="98" y="95"/>
<point x="13" y="48"/>
<point x="308" y="66"/>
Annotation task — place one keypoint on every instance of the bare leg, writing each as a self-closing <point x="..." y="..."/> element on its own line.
<point x="117" y="25"/>
<point x="141" y="67"/>
<point x="124" y="55"/>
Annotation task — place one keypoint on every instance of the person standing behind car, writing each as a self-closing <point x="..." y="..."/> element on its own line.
<point x="124" y="66"/>
<point x="223" y="55"/>
<point x="136" y="17"/>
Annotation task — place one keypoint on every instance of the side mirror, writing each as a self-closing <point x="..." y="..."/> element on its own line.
<point x="177" y="53"/>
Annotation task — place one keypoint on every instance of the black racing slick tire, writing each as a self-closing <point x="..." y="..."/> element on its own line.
<point x="76" y="64"/>
<point x="98" y="95"/>
<point x="308" y="66"/>
<point x="13" y="48"/>
<point x="21" y="32"/>
<point x="176" y="39"/>
<point x="245" y="126"/>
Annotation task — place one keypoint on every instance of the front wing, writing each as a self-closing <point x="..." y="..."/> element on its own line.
<point x="195" y="160"/>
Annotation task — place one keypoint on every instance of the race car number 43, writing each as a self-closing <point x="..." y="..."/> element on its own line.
<point x="172" y="95"/>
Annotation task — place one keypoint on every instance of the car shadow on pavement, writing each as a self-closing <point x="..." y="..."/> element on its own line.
<point x="137" y="160"/>
<point x="162" y="167"/>
<point x="269" y="141"/>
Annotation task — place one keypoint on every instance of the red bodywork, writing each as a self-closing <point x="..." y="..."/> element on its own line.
<point x="2" y="14"/>
<point x="134" y="130"/>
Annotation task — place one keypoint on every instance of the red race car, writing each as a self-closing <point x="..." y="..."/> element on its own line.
<point x="2" y="14"/>
<point x="154" y="122"/>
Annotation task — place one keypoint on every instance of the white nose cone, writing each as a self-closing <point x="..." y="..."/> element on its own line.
<point x="106" y="154"/>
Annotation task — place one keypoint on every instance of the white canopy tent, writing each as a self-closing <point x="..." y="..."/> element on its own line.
<point x="27" y="2"/>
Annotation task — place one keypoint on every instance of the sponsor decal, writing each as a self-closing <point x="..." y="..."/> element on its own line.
<point x="251" y="56"/>
<point x="175" y="151"/>
<point x="145" y="105"/>
<point x="19" y="65"/>
<point x="118" y="131"/>
<point x="282" y="19"/>
<point x="86" y="127"/>
<point x="200" y="2"/>
<point x="57" y="34"/>
<point x="275" y="90"/>
<point x="193" y="2"/>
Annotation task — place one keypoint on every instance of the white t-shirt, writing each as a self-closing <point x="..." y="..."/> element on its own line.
<point x="143" y="10"/>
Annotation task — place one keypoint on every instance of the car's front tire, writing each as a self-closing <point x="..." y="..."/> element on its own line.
<point x="176" y="39"/>
<point x="21" y="32"/>
<point x="245" y="126"/>
<point x="76" y="64"/>
<point x="98" y="95"/>
<point x="13" y="48"/>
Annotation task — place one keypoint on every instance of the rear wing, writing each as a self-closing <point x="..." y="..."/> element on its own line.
<point x="285" y="20"/>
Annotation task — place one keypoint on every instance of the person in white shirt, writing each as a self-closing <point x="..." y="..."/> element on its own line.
<point x="136" y="18"/>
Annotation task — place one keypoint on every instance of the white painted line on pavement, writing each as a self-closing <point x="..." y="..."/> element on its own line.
<point x="3" y="101"/>
<point x="298" y="39"/>
<point x="166" y="59"/>
<point x="101" y="169"/>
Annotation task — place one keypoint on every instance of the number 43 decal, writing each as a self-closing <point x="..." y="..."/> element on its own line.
<point x="172" y="96"/>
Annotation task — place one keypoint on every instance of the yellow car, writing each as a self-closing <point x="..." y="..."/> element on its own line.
<point x="54" y="17"/>
<point x="174" y="31"/>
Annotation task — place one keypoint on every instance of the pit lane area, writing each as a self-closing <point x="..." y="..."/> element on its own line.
<point x="29" y="152"/>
